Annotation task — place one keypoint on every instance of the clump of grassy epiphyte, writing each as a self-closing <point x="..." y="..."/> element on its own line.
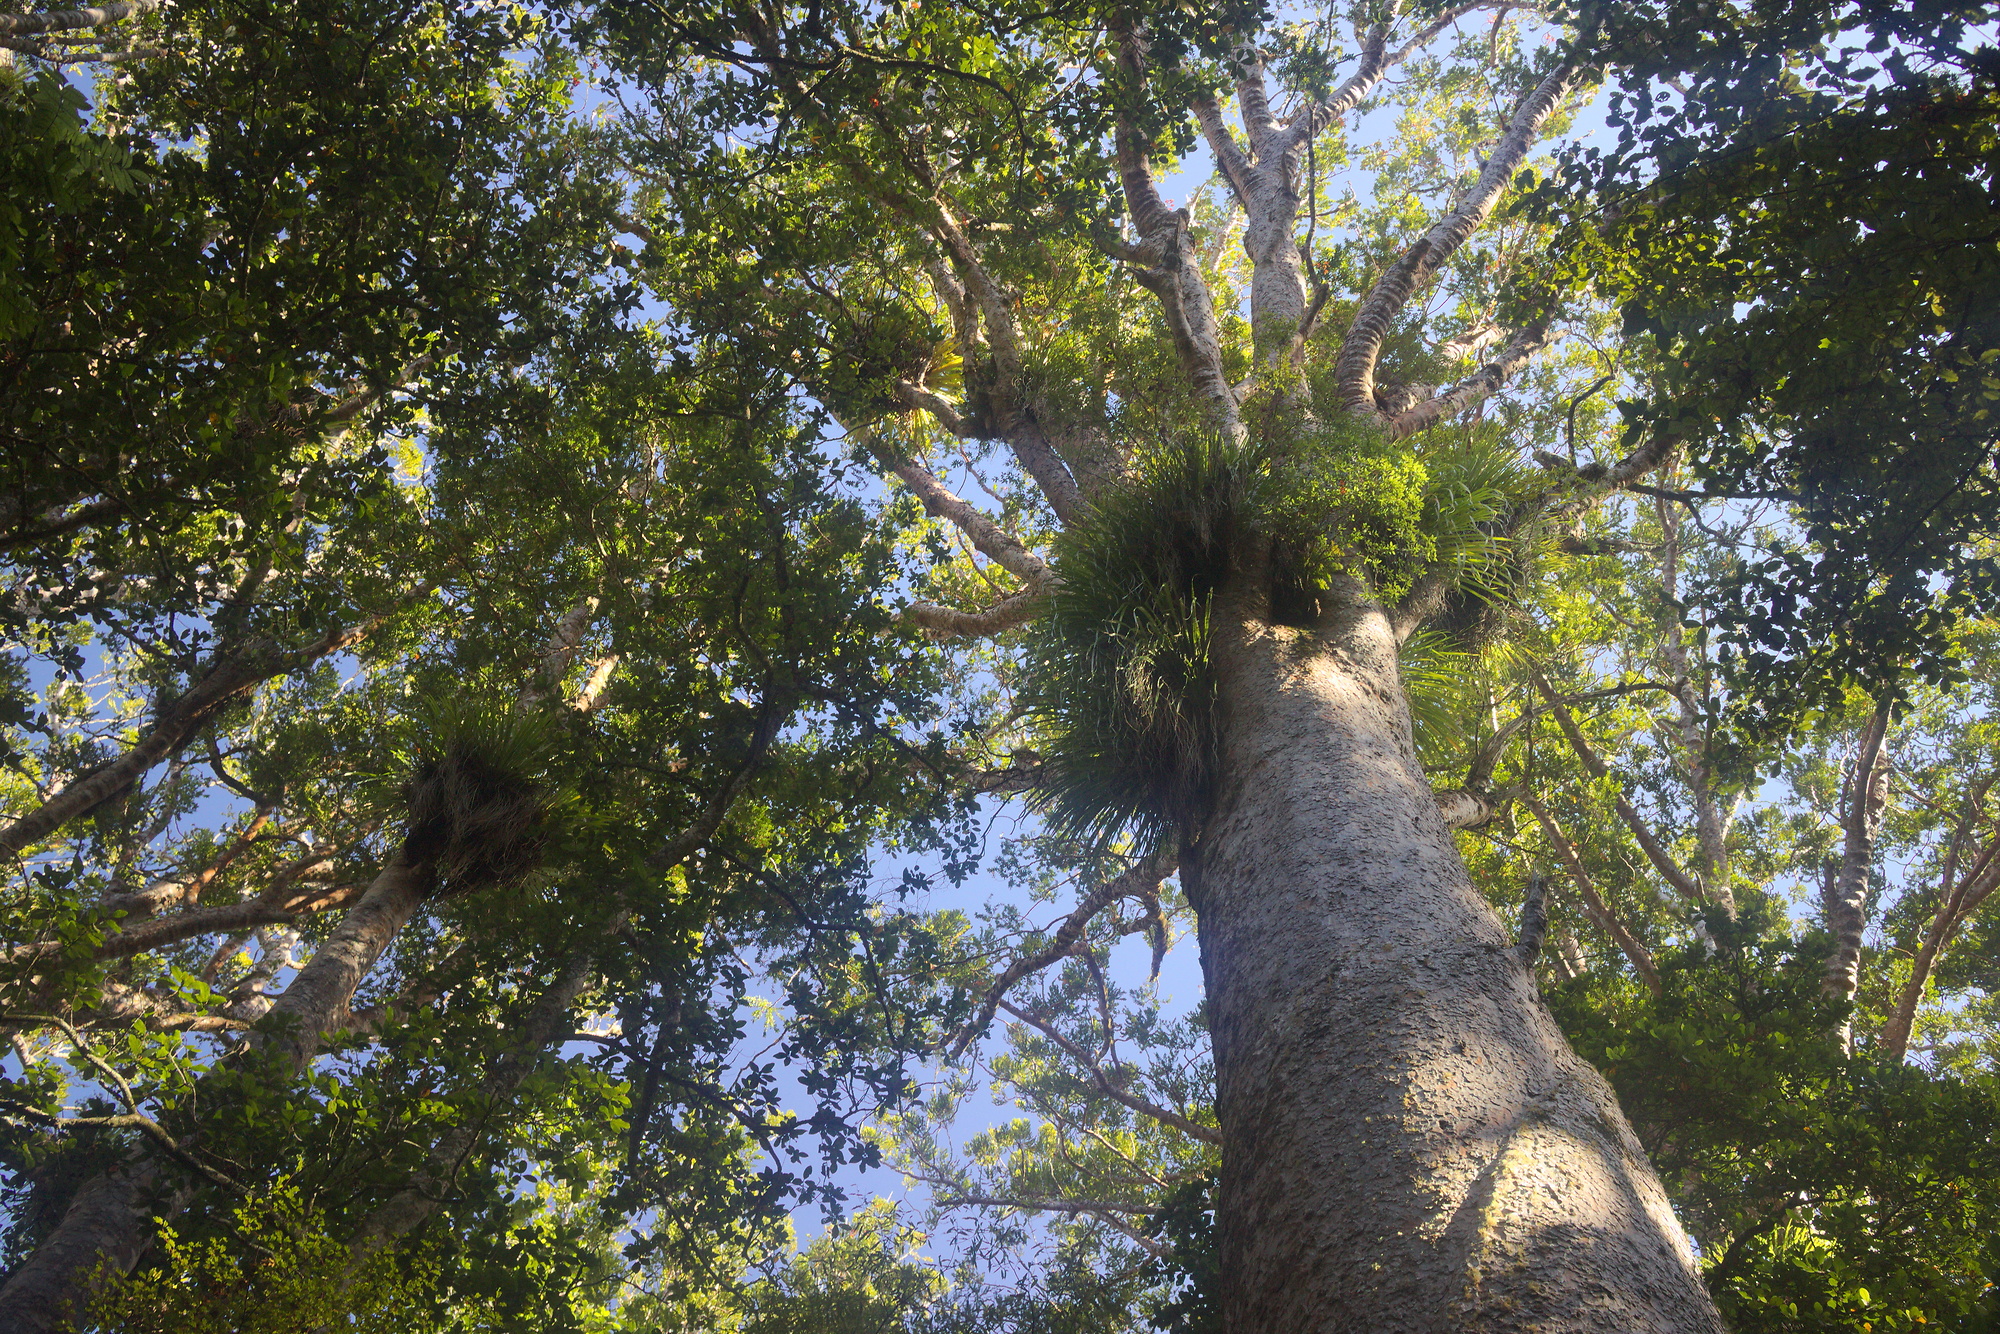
<point x="480" y="805"/>
<point x="1474" y="482"/>
<point x="1118" y="672"/>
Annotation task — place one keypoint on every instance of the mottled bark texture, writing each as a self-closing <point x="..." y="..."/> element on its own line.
<point x="64" y="20"/>
<point x="314" y="1004"/>
<point x="1408" y="1142"/>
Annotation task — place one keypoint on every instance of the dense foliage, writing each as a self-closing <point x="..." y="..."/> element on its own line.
<point x="1796" y="218"/>
<point x="508" y="446"/>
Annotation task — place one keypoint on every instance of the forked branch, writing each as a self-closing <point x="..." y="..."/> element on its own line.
<point x="1594" y="905"/>
<point x="1109" y="1087"/>
<point x="1684" y="884"/>
<point x="1140" y="881"/>
<point x="1362" y="348"/>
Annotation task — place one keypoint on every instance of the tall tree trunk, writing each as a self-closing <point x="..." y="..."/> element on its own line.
<point x="1409" y="1143"/>
<point x="103" y="1232"/>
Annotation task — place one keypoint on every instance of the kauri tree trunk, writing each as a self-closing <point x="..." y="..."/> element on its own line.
<point x="1409" y="1142"/>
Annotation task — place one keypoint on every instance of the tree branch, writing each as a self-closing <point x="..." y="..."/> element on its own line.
<point x="1013" y="420"/>
<point x="1866" y="797"/>
<point x="1229" y="158"/>
<point x="1534" y="921"/>
<point x="940" y="502"/>
<point x="1185" y="302"/>
<point x="948" y="623"/>
<point x="1107" y="1214"/>
<point x="1961" y="898"/>
<point x="1594" y="905"/>
<point x="1137" y="881"/>
<point x="1482" y="383"/>
<point x="227" y="679"/>
<point x="544" y="1025"/>
<point x="1355" y="370"/>
<point x="1470" y="807"/>
<point x="65" y="20"/>
<point x="1656" y="852"/>
<point x="1711" y="817"/>
<point x="1145" y="1107"/>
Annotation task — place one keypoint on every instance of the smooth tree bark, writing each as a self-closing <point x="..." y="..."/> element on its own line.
<point x="64" y="20"/>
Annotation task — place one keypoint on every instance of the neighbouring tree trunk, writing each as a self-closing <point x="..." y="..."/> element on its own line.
<point x="317" y="1000"/>
<point x="1846" y="892"/>
<point x="1409" y="1142"/>
<point x="103" y="1232"/>
<point x="106" y="1227"/>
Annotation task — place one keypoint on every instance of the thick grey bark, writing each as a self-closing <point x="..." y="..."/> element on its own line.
<point x="1409" y="1143"/>
<point x="317" y="1000"/>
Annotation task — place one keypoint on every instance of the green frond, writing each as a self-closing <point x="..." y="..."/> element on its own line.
<point x="1435" y="675"/>
<point x="1472" y="486"/>
<point x="1118" y="671"/>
